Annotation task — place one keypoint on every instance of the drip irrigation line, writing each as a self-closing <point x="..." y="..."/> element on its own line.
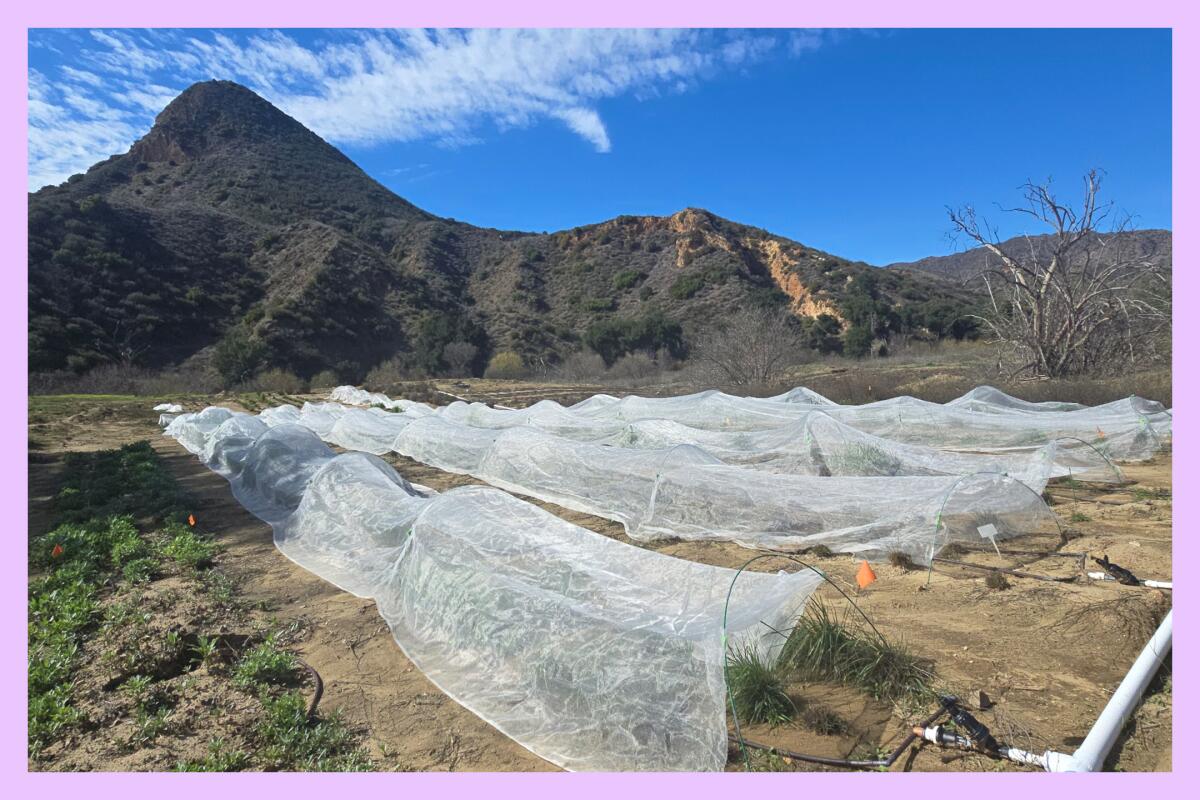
<point x="829" y="761"/>
<point x="318" y="689"/>
<point x="1006" y="570"/>
<point x="737" y="725"/>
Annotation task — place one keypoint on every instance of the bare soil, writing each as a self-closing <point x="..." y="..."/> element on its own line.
<point x="1048" y="654"/>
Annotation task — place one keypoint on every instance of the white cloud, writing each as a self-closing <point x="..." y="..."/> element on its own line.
<point x="371" y="87"/>
<point x="587" y="123"/>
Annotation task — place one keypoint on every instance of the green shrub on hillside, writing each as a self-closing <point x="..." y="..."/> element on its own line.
<point x="238" y="356"/>
<point x="858" y="342"/>
<point x="648" y="333"/>
<point x="627" y="279"/>
<point x="506" y="365"/>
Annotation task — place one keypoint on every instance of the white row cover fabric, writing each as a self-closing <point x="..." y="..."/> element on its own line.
<point x="984" y="420"/>
<point x="595" y="655"/>
<point x="352" y="395"/>
<point x="686" y="492"/>
<point x="990" y="400"/>
<point x="169" y="408"/>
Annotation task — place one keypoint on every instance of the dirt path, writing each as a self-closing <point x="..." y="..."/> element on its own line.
<point x="1048" y="654"/>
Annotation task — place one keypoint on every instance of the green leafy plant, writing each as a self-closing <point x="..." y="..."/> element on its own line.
<point x="266" y="663"/>
<point x="292" y="741"/>
<point x="206" y="648"/>
<point x="188" y="548"/>
<point x="218" y="759"/>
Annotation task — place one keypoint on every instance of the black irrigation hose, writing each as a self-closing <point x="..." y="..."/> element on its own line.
<point x="318" y="688"/>
<point x="1005" y="570"/>
<point x="846" y="762"/>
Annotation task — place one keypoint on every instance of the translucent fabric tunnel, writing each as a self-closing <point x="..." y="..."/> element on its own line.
<point x="593" y="654"/>
<point x="686" y="492"/>
<point x="983" y="421"/>
<point x="814" y="444"/>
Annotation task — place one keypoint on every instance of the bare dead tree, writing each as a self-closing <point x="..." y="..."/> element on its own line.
<point x="121" y="340"/>
<point x="752" y="349"/>
<point x="458" y="357"/>
<point x="1083" y="299"/>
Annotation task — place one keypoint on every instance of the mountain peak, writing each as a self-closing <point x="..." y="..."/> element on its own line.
<point x="217" y="116"/>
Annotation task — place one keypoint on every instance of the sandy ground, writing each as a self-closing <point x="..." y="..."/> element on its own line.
<point x="1048" y="654"/>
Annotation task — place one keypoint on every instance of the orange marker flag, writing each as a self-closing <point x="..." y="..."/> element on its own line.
<point x="192" y="520"/>
<point x="57" y="551"/>
<point x="865" y="576"/>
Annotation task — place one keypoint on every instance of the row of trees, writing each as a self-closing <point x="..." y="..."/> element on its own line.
<point x="745" y="350"/>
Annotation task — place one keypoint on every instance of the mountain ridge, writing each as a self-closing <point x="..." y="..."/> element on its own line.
<point x="1152" y="244"/>
<point x="230" y="218"/>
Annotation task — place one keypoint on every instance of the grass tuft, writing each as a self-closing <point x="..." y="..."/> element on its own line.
<point x="997" y="581"/>
<point x="824" y="647"/>
<point x="757" y="689"/>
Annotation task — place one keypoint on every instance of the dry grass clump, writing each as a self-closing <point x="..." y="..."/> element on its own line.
<point x="997" y="581"/>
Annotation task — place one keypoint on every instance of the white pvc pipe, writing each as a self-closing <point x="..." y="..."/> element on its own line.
<point x="1103" y="735"/>
<point x="1104" y="576"/>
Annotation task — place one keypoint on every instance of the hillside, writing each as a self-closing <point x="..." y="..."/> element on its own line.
<point x="1152" y="245"/>
<point x="229" y="219"/>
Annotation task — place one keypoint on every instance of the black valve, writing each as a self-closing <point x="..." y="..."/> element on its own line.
<point x="975" y="730"/>
<point x="1118" y="573"/>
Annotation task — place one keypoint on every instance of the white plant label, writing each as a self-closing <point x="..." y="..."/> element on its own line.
<point x="989" y="532"/>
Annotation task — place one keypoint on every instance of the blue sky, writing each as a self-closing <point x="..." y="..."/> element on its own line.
<point x="850" y="141"/>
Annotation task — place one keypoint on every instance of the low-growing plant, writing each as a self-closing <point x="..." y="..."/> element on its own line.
<point x="266" y="663"/>
<point x="218" y="759"/>
<point x="292" y="741"/>
<point x="220" y="587"/>
<point x="188" y="548"/>
<point x="140" y="570"/>
<point x="824" y="721"/>
<point x="997" y="581"/>
<point x="206" y="648"/>
<point x="105" y="483"/>
<point x="97" y="540"/>
<point x="148" y="725"/>
<point x="50" y="713"/>
<point x="136" y="687"/>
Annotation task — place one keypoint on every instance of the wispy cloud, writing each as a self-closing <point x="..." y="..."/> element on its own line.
<point x="370" y="87"/>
